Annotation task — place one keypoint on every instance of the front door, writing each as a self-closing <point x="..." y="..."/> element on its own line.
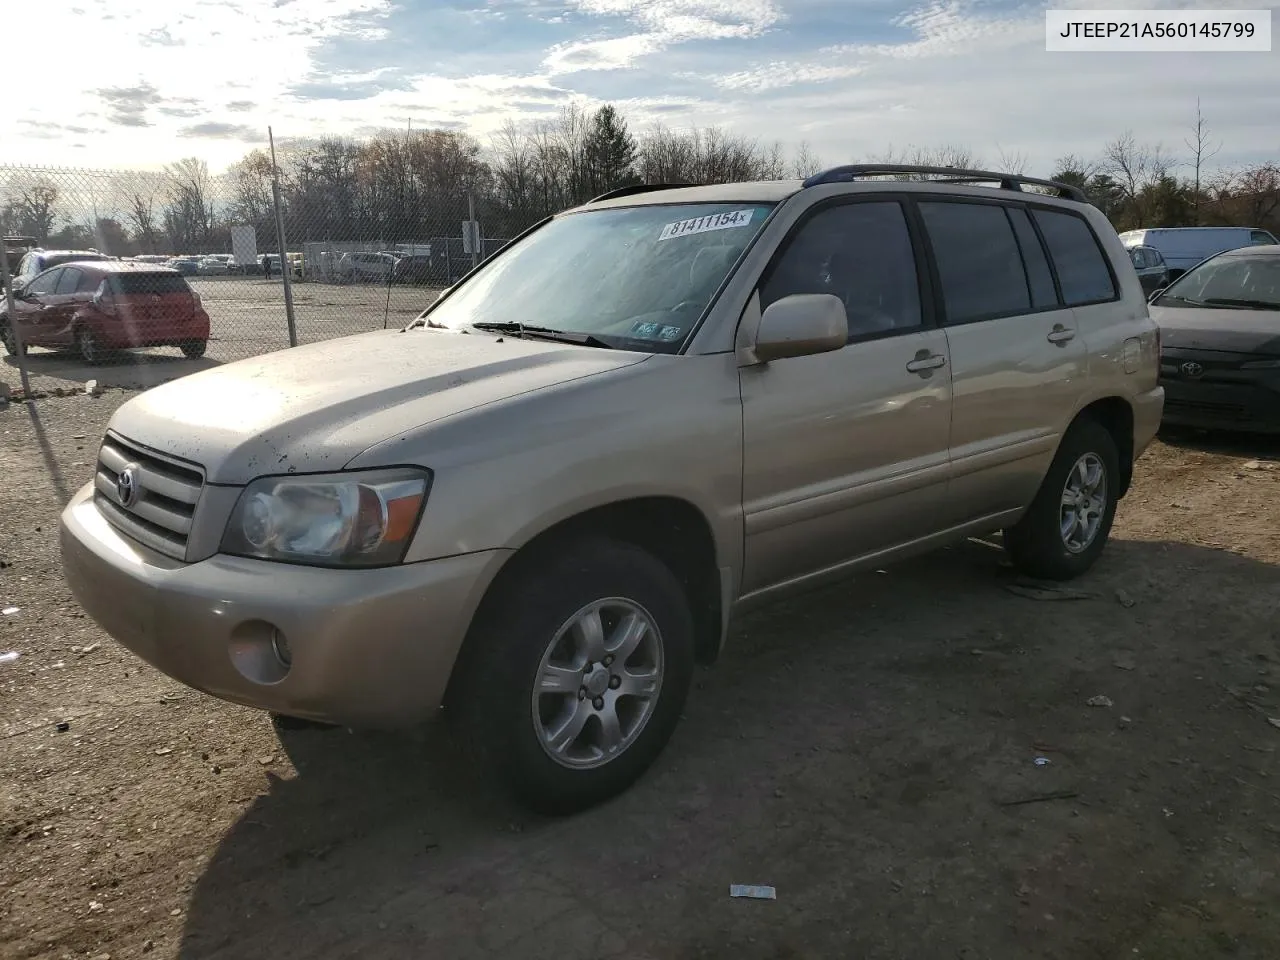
<point x="846" y="452"/>
<point x="32" y="310"/>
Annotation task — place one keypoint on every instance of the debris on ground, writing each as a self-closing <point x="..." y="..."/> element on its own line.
<point x="1040" y="798"/>
<point x="1100" y="701"/>
<point x="1124" y="599"/>
<point x="1274" y="721"/>
<point x="1259" y="465"/>
<point x="1037" y="591"/>
<point x="9" y="657"/>
<point x="163" y="751"/>
<point x="63" y="727"/>
<point x="1041" y="761"/>
<point x="10" y="611"/>
<point x="752" y="892"/>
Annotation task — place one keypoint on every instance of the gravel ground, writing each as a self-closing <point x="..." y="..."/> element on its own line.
<point x="871" y="750"/>
<point x="247" y="317"/>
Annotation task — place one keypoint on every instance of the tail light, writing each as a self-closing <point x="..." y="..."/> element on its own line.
<point x="196" y="297"/>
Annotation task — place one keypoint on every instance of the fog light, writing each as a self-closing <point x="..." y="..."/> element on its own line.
<point x="280" y="647"/>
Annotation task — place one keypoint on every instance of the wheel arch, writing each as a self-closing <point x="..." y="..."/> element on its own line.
<point x="1115" y="415"/>
<point x="671" y="528"/>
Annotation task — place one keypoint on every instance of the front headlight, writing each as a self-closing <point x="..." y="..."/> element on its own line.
<point x="363" y="519"/>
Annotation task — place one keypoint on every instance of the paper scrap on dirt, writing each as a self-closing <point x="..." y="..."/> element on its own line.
<point x="1100" y="701"/>
<point x="1037" y="592"/>
<point x="752" y="892"/>
<point x="9" y="657"/>
<point x="10" y="611"/>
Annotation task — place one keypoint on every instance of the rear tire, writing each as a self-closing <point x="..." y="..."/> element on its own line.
<point x="575" y="674"/>
<point x="87" y="346"/>
<point x="193" y="349"/>
<point x="1065" y="529"/>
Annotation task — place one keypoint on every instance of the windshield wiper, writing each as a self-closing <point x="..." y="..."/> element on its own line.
<point x="543" y="333"/>
<point x="1248" y="304"/>
<point x="1171" y="296"/>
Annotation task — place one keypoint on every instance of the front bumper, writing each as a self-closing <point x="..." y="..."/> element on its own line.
<point x="368" y="648"/>
<point x="1246" y="407"/>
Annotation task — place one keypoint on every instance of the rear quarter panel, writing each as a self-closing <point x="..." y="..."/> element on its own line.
<point x="1108" y="326"/>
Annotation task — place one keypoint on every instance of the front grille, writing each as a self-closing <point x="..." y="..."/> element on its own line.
<point x="1213" y="408"/>
<point x="166" y="491"/>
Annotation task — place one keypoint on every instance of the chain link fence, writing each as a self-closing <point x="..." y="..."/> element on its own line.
<point x="360" y="252"/>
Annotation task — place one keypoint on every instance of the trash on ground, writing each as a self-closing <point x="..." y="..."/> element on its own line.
<point x="9" y="657"/>
<point x="1101" y="701"/>
<point x="1124" y="599"/>
<point x="1040" y="798"/>
<point x="164" y="751"/>
<point x="1042" y="761"/>
<point x="1259" y="465"/>
<point x="91" y="387"/>
<point x="63" y="727"/>
<point x="10" y="611"/>
<point x="1274" y="721"/>
<point x="752" y="892"/>
<point x="1038" y="592"/>
<point x="94" y="906"/>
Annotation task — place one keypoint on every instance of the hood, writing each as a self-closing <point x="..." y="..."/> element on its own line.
<point x="313" y="408"/>
<point x="1210" y="328"/>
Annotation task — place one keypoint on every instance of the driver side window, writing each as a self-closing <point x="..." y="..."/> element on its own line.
<point x="46" y="283"/>
<point x="861" y="253"/>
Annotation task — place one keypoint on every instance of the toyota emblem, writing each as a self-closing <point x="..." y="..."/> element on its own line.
<point x="127" y="485"/>
<point x="1192" y="369"/>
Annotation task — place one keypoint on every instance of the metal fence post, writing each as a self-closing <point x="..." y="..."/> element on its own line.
<point x="471" y="226"/>
<point x="286" y="269"/>
<point x="13" y="326"/>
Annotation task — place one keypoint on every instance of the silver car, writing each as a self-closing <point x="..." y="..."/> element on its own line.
<point x="543" y="501"/>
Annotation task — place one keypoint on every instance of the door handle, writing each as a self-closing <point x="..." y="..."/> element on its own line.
<point x="925" y="362"/>
<point x="1060" y="334"/>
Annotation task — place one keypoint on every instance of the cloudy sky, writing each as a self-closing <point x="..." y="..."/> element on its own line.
<point x="143" y="82"/>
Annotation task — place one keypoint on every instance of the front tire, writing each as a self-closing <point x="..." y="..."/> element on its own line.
<point x="193" y="349"/>
<point x="8" y="337"/>
<point x="1066" y="527"/>
<point x="575" y="674"/>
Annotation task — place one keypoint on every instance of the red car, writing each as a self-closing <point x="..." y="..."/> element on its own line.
<point x="101" y="306"/>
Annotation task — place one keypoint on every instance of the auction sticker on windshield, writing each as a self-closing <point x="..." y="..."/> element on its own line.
<point x="713" y="221"/>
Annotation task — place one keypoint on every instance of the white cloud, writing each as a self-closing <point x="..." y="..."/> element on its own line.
<point x="661" y="23"/>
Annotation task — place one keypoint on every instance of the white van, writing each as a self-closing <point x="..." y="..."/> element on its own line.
<point x="1184" y="247"/>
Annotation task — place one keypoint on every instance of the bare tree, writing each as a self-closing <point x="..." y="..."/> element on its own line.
<point x="32" y="207"/>
<point x="188" y="212"/>
<point x="947" y="155"/>
<point x="805" y="163"/>
<point x="1200" y="153"/>
<point x="142" y="218"/>
<point x="1137" y="169"/>
<point x="1012" y="161"/>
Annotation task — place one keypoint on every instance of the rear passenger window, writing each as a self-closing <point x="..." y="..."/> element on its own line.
<point x="1260" y="238"/>
<point x="861" y="253"/>
<point x="1082" y="267"/>
<point x="1039" y="277"/>
<point x="978" y="259"/>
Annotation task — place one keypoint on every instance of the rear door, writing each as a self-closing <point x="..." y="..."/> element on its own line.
<point x="1018" y="361"/>
<point x="57" y="319"/>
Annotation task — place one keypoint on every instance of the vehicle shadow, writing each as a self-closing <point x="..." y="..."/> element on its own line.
<point x="127" y="369"/>
<point x="852" y="744"/>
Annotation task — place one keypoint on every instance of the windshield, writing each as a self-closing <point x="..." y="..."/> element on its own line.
<point x="635" y="277"/>
<point x="1248" y="282"/>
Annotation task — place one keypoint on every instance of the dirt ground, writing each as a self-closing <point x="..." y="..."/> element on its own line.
<point x="865" y="749"/>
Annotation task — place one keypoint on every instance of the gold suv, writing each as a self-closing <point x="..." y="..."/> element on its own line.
<point x="544" y="500"/>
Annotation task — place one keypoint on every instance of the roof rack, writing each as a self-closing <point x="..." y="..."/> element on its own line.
<point x="1007" y="181"/>
<point x="638" y="188"/>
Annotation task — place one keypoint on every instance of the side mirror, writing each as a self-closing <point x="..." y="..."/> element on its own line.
<point x="801" y="325"/>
